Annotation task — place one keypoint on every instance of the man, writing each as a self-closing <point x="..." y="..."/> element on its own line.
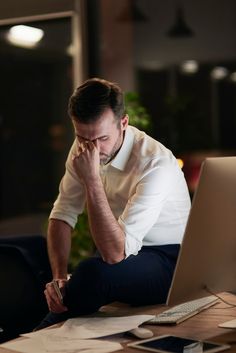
<point x="137" y="203"/>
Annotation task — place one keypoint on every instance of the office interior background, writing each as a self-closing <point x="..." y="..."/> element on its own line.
<point x="179" y="56"/>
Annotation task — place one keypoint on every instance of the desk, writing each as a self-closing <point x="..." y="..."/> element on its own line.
<point x="203" y="326"/>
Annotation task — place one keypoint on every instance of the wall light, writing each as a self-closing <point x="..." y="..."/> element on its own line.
<point x="233" y="77"/>
<point x="219" y="72"/>
<point x="189" y="67"/>
<point x="24" y="36"/>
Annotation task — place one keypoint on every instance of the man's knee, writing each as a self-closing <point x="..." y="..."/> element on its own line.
<point x="86" y="290"/>
<point x="88" y="272"/>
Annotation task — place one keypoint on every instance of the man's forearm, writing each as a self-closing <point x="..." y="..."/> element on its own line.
<point x="59" y="244"/>
<point x="107" y="234"/>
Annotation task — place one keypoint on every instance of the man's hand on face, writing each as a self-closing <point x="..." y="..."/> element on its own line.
<point x="87" y="160"/>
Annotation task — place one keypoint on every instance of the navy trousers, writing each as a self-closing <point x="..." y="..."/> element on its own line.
<point x="143" y="279"/>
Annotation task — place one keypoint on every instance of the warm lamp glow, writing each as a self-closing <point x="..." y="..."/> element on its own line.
<point x="219" y="72"/>
<point x="233" y="77"/>
<point x="180" y="162"/>
<point x="189" y="67"/>
<point x="24" y="36"/>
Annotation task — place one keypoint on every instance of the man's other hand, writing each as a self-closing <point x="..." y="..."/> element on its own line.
<point x="54" y="302"/>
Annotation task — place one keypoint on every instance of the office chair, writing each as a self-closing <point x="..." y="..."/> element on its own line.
<point x="24" y="271"/>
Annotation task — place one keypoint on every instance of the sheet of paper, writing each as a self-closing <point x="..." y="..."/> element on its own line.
<point x="25" y="345"/>
<point x="36" y="334"/>
<point x="78" y="335"/>
<point x="44" y="344"/>
<point x="67" y="345"/>
<point x="95" y="327"/>
<point x="43" y="333"/>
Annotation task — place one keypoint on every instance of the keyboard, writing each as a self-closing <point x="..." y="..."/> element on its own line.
<point x="183" y="311"/>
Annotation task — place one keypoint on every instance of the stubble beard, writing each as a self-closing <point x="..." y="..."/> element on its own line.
<point x="114" y="151"/>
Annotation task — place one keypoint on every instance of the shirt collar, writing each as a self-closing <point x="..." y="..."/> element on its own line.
<point x="123" y="155"/>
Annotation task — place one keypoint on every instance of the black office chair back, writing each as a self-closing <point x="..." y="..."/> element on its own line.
<point x="24" y="271"/>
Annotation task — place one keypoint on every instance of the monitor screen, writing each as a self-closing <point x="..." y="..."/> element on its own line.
<point x="207" y="258"/>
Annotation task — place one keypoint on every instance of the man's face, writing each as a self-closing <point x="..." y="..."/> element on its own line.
<point x="106" y="133"/>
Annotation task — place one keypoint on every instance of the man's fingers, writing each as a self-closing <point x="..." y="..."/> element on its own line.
<point x="80" y="149"/>
<point x="51" y="296"/>
<point x="82" y="146"/>
<point x="53" y="305"/>
<point x="96" y="144"/>
<point x="90" y="145"/>
<point x="53" y="301"/>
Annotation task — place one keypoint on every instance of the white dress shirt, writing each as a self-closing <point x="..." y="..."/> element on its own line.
<point x="145" y="188"/>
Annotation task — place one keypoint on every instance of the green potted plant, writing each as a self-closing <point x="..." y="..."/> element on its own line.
<point x="138" y="115"/>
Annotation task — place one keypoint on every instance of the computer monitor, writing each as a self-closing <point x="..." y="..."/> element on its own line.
<point x="207" y="259"/>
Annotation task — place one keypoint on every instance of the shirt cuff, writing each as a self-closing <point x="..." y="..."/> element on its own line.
<point x="132" y="246"/>
<point x="62" y="217"/>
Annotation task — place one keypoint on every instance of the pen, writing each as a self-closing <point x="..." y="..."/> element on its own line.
<point x="57" y="289"/>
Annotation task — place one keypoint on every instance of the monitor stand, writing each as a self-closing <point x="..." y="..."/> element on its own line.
<point x="228" y="324"/>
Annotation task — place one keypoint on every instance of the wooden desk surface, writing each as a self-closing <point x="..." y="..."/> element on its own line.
<point x="203" y="326"/>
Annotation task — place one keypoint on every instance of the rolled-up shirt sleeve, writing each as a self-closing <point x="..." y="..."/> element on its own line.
<point x="145" y="205"/>
<point x="71" y="199"/>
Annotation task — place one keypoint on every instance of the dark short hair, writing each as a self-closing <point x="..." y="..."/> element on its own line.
<point x="93" y="97"/>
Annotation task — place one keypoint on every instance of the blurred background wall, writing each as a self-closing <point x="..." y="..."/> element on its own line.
<point x="179" y="56"/>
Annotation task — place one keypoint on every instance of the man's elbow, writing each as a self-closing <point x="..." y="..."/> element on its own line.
<point x="112" y="260"/>
<point x="115" y="253"/>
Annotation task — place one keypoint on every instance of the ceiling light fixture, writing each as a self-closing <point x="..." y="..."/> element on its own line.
<point x="24" y="36"/>
<point x="180" y="29"/>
